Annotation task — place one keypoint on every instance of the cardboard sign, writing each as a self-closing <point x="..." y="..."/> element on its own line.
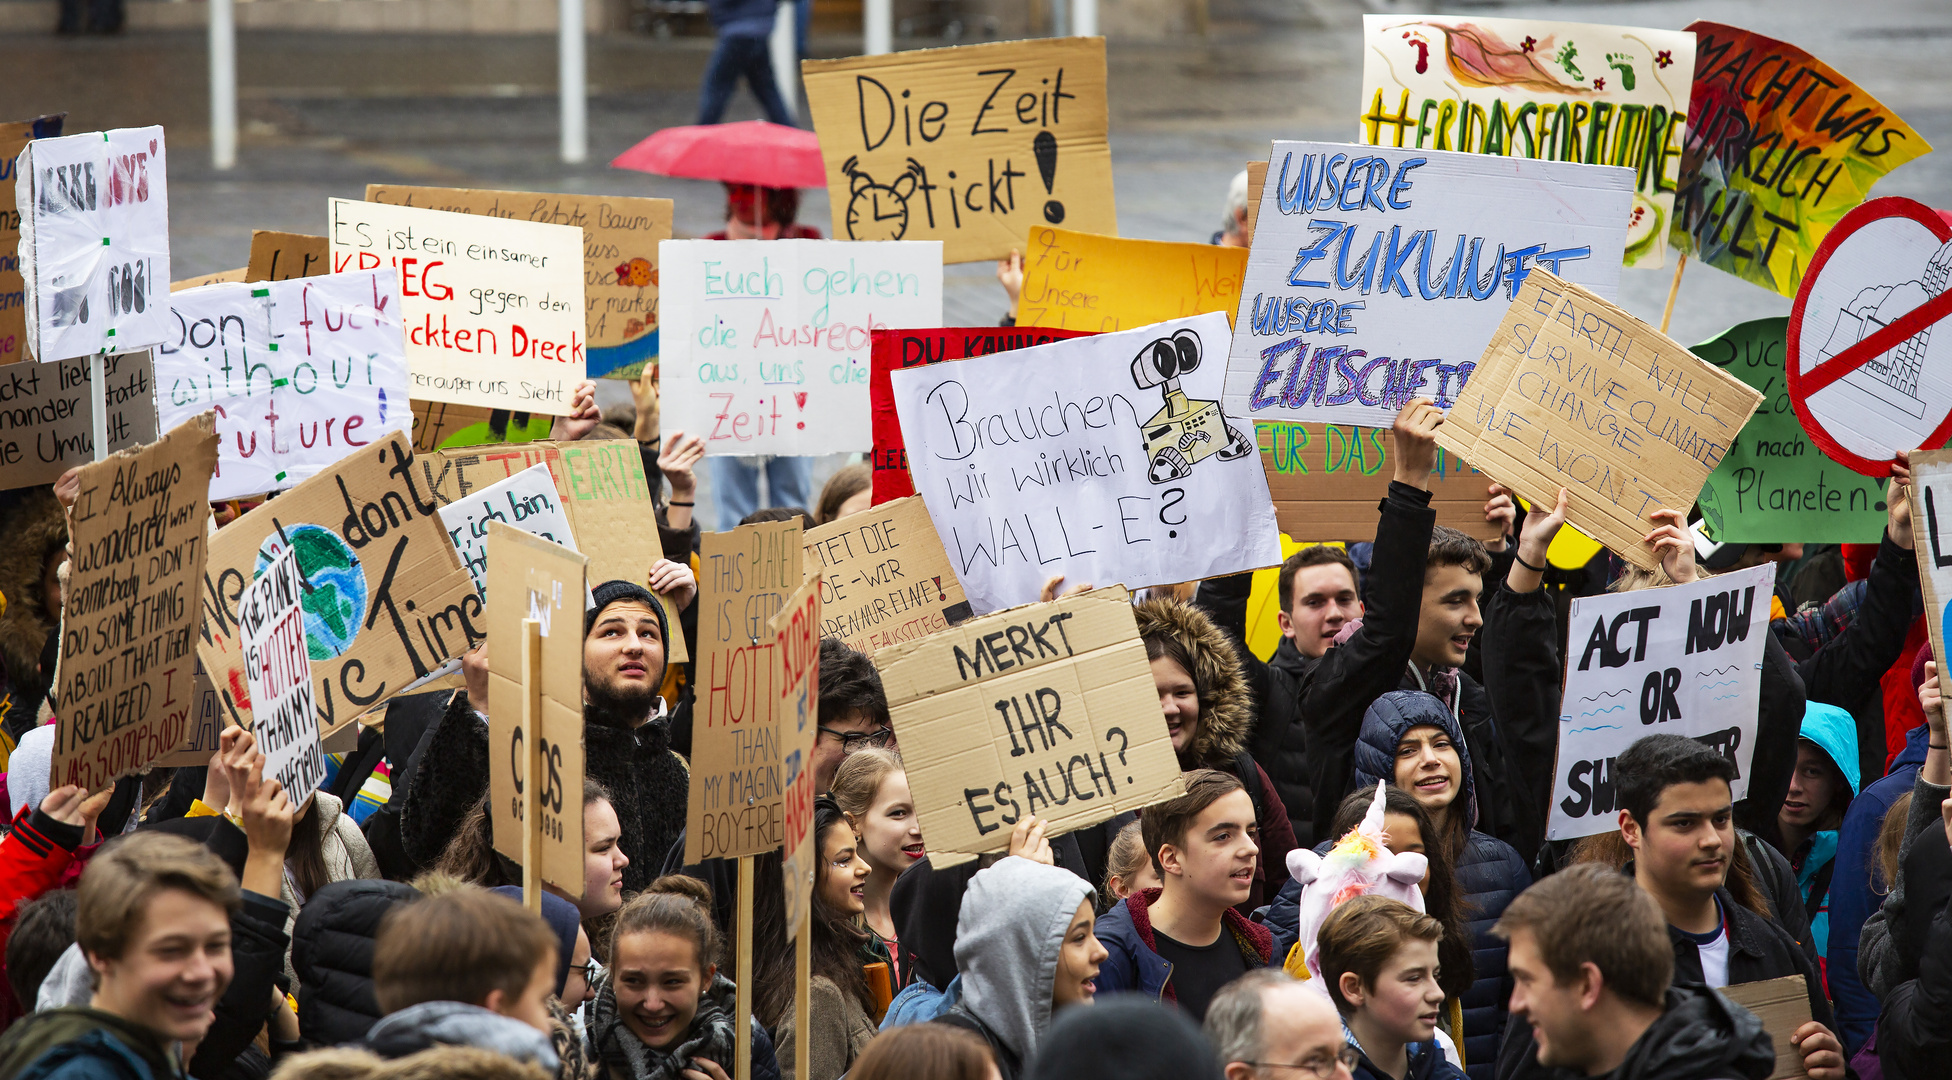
<point x="1684" y="660"/>
<point x="47" y="413"/>
<point x="736" y="805"/>
<point x="1378" y="276"/>
<point x="1327" y="480"/>
<point x="301" y="373"/>
<point x="386" y="601"/>
<point x="895" y="349"/>
<point x="527" y="501"/>
<point x="439" y="425"/>
<point x="1256" y="185"/>
<point x="969" y="145"/>
<point x="14" y="138"/>
<point x="767" y="341"/>
<point x="1931" y="479"/>
<point x="601" y="487"/>
<point x="1538" y="89"/>
<point x="620" y="272"/>
<point x="94" y="242"/>
<point x="1783" y="1006"/>
<point x="218" y="278"/>
<point x="1107" y="459"/>
<point x="1574" y="392"/>
<point x="883" y="577"/>
<point x="1868" y="376"/>
<point x="1775" y="486"/>
<point x="281" y="256"/>
<point x="206" y="727"/>
<point x="278" y="671"/>
<point x="532" y="578"/>
<point x="128" y="659"/>
<point x="1046" y="709"/>
<point x="796" y="641"/>
<point x="492" y="308"/>
<point x="1084" y="282"/>
<point x="1780" y="146"/>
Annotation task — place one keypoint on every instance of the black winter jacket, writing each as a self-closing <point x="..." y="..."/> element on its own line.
<point x="1913" y="1039"/>
<point x="332" y="951"/>
<point x="257" y="956"/>
<point x="1489" y="876"/>
<point x="1701" y="1036"/>
<point x="1758" y="949"/>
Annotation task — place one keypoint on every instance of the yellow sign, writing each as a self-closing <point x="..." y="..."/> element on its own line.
<point x="1082" y="281"/>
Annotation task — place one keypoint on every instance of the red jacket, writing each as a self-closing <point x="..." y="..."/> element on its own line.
<point x="33" y="858"/>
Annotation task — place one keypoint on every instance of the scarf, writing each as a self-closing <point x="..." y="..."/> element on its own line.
<point x="624" y="1055"/>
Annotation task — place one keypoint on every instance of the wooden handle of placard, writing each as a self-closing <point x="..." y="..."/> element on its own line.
<point x="1673" y="290"/>
<point x="532" y="753"/>
<point x="802" y="971"/>
<point x="742" y="1013"/>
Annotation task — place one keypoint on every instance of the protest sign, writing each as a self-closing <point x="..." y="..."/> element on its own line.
<point x="1055" y="459"/>
<point x="1084" y="282"/>
<point x="1538" y="89"/>
<point x="128" y="658"/>
<point x="218" y="278"/>
<point x="1046" y="709"/>
<point x="1862" y="373"/>
<point x="537" y="685"/>
<point x="883" y="577"/>
<point x="442" y="424"/>
<point x="1683" y="660"/>
<point x="1574" y="392"/>
<point x="301" y="373"/>
<point x="1783" y="1006"/>
<point x="386" y="600"/>
<point x="737" y="800"/>
<point x="1256" y="185"/>
<point x="796" y="641"/>
<point x="1378" y="276"/>
<point x="767" y="341"/>
<point x="94" y="242"/>
<point x="602" y="489"/>
<point x="278" y="672"/>
<point x="1327" y="479"/>
<point x="206" y="727"/>
<point x="1931" y="479"/>
<point x="1775" y="486"/>
<point x="14" y="137"/>
<point x="620" y="271"/>
<point x="527" y="501"/>
<point x="969" y="145"/>
<point x="1823" y="142"/>
<point x="896" y="349"/>
<point x="46" y="414"/>
<point x="281" y="256"/>
<point x="493" y="309"/>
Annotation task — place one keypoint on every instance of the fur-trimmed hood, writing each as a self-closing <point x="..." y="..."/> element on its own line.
<point x="1226" y="707"/>
<point x="434" y="1063"/>
<point x="32" y="524"/>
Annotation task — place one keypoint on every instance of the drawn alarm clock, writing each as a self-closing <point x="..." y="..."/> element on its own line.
<point x="1183" y="432"/>
<point x="878" y="211"/>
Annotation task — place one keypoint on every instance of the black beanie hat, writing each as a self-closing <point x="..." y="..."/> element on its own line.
<point x="1124" y="1038"/>
<point x="617" y="590"/>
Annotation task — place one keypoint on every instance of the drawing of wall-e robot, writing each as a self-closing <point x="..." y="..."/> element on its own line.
<point x="1184" y="432"/>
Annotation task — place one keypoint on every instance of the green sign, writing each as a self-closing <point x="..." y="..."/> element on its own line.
<point x="1775" y="486"/>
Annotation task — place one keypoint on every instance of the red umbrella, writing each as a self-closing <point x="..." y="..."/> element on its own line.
<point x="748" y="152"/>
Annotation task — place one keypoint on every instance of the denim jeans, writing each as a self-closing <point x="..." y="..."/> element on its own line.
<point x="735" y="485"/>
<point x="736" y="56"/>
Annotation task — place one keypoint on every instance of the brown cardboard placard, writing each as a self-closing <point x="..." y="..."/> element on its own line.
<point x="1256" y="181"/>
<point x="531" y="578"/>
<point x="604" y="491"/>
<point x="47" y="409"/>
<point x="796" y="642"/>
<point x="207" y="279"/>
<point x="884" y="577"/>
<point x="737" y="802"/>
<point x="206" y="725"/>
<point x="1046" y="709"/>
<point x="1931" y="479"/>
<point x="14" y="137"/>
<point x="434" y="422"/>
<point x="970" y="145"/>
<point x="1575" y="392"/>
<point x="1783" y="1005"/>
<point x="387" y="599"/>
<point x="620" y="238"/>
<point x="127" y="680"/>
<point x="1327" y="479"/>
<point x="281" y="256"/>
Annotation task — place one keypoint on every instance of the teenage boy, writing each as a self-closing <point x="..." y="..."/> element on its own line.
<point x="1677" y="814"/>
<point x="1592" y="974"/>
<point x="1183" y="941"/>
<point x="1379" y="966"/>
<point x="152" y="916"/>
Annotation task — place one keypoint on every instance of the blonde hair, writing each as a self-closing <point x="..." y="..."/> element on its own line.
<point x="1126" y="859"/>
<point x="123" y="877"/>
<point x="859" y="778"/>
<point x="1890" y="842"/>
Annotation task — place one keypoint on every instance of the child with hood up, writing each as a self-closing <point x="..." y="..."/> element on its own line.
<point x="1820" y="791"/>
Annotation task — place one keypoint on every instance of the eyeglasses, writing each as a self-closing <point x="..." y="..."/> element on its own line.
<point x="590" y="969"/>
<point x="851" y="741"/>
<point x="1348" y="1057"/>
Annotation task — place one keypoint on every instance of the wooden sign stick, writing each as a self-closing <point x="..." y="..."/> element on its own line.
<point x="532" y="752"/>
<point x="1673" y="290"/>
<point x="98" y="402"/>
<point x="802" y="971"/>
<point x="742" y="1012"/>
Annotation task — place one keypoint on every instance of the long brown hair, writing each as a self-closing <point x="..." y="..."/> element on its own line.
<point x="837" y="940"/>
<point x="305" y="856"/>
<point x="934" y="1051"/>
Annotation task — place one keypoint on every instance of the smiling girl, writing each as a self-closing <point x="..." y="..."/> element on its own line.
<point x="871" y="788"/>
<point x="839" y="1007"/>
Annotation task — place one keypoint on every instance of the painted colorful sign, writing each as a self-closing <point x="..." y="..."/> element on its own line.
<point x="1082" y="281"/>
<point x="14" y="138"/>
<point x="1538" y="89"/>
<point x="1327" y="480"/>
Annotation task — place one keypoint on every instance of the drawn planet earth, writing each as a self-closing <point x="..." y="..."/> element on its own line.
<point x="335" y="595"/>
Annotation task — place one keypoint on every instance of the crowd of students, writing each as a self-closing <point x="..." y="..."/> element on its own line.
<point x="1408" y="718"/>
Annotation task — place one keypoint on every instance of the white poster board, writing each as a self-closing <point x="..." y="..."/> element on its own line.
<point x="766" y="342"/>
<point x="278" y="670"/>
<point x="1107" y="459"/>
<point x="527" y="501"/>
<point x="1379" y="275"/>
<point x="492" y="307"/>
<point x="94" y="242"/>
<point x="1684" y="660"/>
<point x="300" y="373"/>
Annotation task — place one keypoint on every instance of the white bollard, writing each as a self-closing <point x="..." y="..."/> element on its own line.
<point x="878" y="27"/>
<point x="223" y="85"/>
<point x="784" y="46"/>
<point x="573" y="85"/>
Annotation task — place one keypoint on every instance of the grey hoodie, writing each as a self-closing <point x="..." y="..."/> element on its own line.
<point x="453" y="1023"/>
<point x="1012" y="924"/>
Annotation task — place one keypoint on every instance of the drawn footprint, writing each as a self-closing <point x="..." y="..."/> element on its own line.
<point x="1621" y="62"/>
<point x="1422" y="46"/>
<point x="1565" y="61"/>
